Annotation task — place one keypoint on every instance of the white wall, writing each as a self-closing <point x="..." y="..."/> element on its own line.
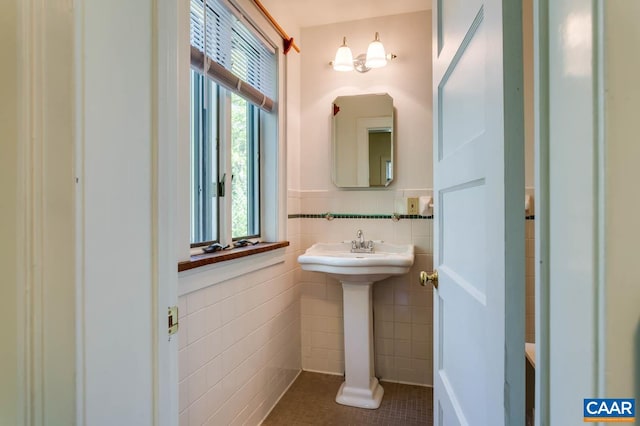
<point x="527" y="75"/>
<point x="402" y="308"/>
<point x="622" y="102"/>
<point x="407" y="79"/>
<point x="280" y="10"/>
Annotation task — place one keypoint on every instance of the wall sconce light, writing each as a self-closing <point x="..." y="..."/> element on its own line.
<point x="376" y="57"/>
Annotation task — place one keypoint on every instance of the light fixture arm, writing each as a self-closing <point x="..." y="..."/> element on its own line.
<point x="360" y="61"/>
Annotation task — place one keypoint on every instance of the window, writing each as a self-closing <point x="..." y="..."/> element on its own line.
<point x="232" y="85"/>
<point x="208" y="187"/>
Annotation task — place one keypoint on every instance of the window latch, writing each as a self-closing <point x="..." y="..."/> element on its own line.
<point x="221" y="185"/>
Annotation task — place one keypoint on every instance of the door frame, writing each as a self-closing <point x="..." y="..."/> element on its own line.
<point x="166" y="17"/>
<point x="562" y="323"/>
<point x="168" y="107"/>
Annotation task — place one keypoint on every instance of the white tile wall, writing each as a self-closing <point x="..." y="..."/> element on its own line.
<point x="239" y="344"/>
<point x="402" y="307"/>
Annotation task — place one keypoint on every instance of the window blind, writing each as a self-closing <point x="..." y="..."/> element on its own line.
<point x="231" y="54"/>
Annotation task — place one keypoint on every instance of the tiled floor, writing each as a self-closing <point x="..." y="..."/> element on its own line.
<point x="311" y="401"/>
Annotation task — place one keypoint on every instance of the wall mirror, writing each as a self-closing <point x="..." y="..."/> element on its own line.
<point x="363" y="141"/>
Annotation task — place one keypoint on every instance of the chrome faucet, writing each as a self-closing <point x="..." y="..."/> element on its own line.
<point x="359" y="245"/>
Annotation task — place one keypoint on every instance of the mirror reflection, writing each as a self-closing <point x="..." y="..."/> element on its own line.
<point x="363" y="141"/>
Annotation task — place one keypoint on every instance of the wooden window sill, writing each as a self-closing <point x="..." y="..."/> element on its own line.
<point x="205" y="259"/>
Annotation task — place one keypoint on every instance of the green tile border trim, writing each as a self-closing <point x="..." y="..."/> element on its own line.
<point x="365" y="216"/>
<point x="355" y="216"/>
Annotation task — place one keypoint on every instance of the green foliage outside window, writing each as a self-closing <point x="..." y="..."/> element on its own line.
<point x="240" y="166"/>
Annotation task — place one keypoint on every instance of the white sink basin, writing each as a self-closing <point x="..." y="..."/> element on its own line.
<point x="337" y="260"/>
<point x="357" y="272"/>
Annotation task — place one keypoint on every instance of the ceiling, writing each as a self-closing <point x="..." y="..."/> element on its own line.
<point x="310" y="13"/>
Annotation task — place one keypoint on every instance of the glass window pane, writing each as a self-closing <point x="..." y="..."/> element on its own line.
<point x="245" y="208"/>
<point x="204" y="160"/>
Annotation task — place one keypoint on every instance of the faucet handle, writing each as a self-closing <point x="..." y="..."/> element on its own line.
<point x="370" y="244"/>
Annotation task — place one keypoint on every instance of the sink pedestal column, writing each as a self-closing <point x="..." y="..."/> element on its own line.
<point x="361" y="387"/>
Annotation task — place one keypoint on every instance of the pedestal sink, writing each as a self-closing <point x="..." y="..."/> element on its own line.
<point x="357" y="272"/>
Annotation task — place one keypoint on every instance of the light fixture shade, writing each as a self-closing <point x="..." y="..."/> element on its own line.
<point x="344" y="58"/>
<point x="376" y="56"/>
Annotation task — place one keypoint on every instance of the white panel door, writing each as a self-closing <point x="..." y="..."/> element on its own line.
<point x="479" y="217"/>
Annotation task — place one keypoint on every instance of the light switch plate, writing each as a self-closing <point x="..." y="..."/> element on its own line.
<point x="412" y="205"/>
